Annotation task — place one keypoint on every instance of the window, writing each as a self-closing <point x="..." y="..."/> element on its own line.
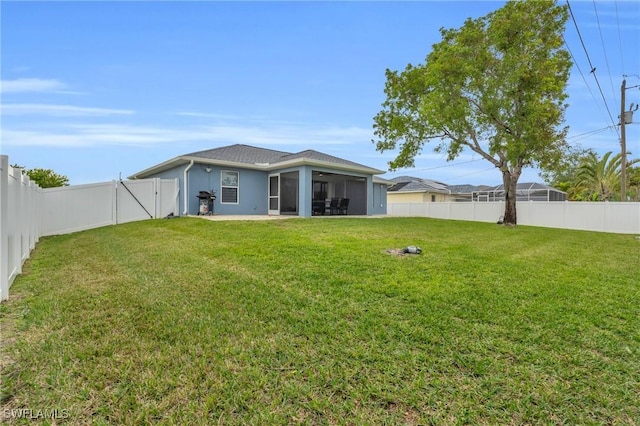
<point x="229" y="186"/>
<point x="433" y="198"/>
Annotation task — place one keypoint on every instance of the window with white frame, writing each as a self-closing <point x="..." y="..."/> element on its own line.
<point x="229" y="186"/>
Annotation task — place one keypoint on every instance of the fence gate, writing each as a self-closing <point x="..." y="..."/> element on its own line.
<point x="145" y="199"/>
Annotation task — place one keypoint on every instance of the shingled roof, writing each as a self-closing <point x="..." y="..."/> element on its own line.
<point x="241" y="154"/>
<point x="320" y="156"/>
<point x="253" y="155"/>
<point x="414" y="184"/>
<point x="466" y="188"/>
<point x="259" y="158"/>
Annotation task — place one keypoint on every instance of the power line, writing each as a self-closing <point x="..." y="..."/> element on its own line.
<point x="593" y="69"/>
<point x="472" y="173"/>
<point x="589" y="134"/>
<point x="451" y="165"/>
<point x="604" y="50"/>
<point x="575" y="62"/>
<point x="437" y="167"/>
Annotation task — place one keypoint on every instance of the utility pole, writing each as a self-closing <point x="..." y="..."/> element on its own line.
<point x="623" y="145"/>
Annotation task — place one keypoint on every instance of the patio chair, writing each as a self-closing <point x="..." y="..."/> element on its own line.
<point x="317" y="207"/>
<point x="334" y="206"/>
<point x="344" y="206"/>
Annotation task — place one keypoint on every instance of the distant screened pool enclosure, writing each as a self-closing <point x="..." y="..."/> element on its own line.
<point x="524" y="192"/>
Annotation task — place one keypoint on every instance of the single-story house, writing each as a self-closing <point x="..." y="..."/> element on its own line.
<point x="248" y="180"/>
<point x="408" y="189"/>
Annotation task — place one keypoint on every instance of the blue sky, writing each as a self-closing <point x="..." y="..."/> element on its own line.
<point x="93" y="90"/>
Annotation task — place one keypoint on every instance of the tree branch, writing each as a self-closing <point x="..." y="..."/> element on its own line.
<point x="478" y="149"/>
<point x="498" y="121"/>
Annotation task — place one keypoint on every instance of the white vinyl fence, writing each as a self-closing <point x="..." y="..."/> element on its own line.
<point x="28" y="212"/>
<point x="76" y="208"/>
<point x="622" y="218"/>
<point x="19" y="222"/>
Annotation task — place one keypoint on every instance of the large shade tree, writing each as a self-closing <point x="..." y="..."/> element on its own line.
<point x="495" y="86"/>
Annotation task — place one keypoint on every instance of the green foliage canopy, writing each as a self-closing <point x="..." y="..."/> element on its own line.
<point x="599" y="179"/>
<point x="47" y="178"/>
<point x="495" y="86"/>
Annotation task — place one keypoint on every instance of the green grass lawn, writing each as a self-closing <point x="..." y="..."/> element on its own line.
<point x="310" y="321"/>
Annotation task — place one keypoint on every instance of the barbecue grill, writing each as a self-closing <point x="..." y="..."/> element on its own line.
<point x="206" y="202"/>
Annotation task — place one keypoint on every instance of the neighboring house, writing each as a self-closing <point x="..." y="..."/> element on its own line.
<point x="248" y="180"/>
<point x="409" y="189"/>
<point x="465" y="192"/>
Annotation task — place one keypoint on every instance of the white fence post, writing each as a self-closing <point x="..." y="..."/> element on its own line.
<point x="4" y="235"/>
<point x="15" y="231"/>
<point x="114" y="202"/>
<point x="157" y="198"/>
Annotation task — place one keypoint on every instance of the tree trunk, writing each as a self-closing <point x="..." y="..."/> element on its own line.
<point x="510" y="182"/>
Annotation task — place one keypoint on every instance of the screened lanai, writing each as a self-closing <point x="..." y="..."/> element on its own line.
<point x="529" y="191"/>
<point x="335" y="186"/>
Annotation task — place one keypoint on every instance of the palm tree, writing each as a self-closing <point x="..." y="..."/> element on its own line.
<point x="598" y="179"/>
<point x="633" y="190"/>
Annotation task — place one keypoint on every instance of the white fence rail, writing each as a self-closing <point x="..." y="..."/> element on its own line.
<point x="28" y="212"/>
<point x="76" y="208"/>
<point x="622" y="218"/>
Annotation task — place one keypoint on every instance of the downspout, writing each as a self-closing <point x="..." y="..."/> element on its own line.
<point x="185" y="181"/>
